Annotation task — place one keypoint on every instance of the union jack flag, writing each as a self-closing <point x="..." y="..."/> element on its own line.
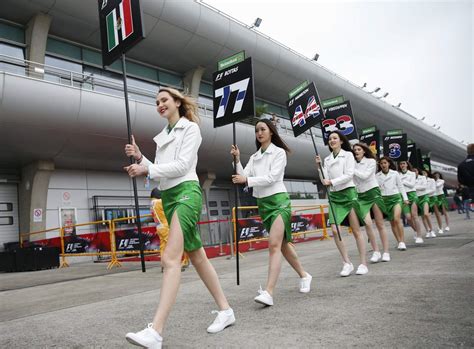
<point x="312" y="109"/>
<point x="298" y="117"/>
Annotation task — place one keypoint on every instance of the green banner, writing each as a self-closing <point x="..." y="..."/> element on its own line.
<point x="332" y="101"/>
<point x="237" y="58"/>
<point x="394" y="132"/>
<point x="298" y="89"/>
<point x="369" y="130"/>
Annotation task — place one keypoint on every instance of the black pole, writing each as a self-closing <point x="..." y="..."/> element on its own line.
<point x="329" y="199"/>
<point x="237" y="234"/>
<point x="132" y="161"/>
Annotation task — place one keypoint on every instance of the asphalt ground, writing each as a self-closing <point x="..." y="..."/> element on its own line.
<point x="423" y="298"/>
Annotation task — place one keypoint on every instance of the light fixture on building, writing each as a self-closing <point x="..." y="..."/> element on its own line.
<point x="257" y="23"/>
<point x="377" y="89"/>
<point x="316" y="56"/>
<point x="398" y="105"/>
<point x="364" y="85"/>
<point x="385" y="95"/>
<point x="423" y="118"/>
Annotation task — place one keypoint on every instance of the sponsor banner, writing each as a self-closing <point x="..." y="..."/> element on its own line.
<point x="304" y="108"/>
<point x="252" y="228"/>
<point x="339" y="118"/>
<point x="125" y="239"/>
<point x="412" y="154"/>
<point x="372" y="140"/>
<point x="234" y="97"/>
<point x="120" y="27"/>
<point x="332" y="101"/>
<point x="128" y="240"/>
<point x="395" y="147"/>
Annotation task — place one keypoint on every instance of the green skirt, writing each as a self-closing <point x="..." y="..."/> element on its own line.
<point x="413" y="198"/>
<point x="442" y="201"/>
<point x="342" y="202"/>
<point x="370" y="198"/>
<point x="422" y="200"/>
<point x="391" y="201"/>
<point x="270" y="207"/>
<point x="433" y="201"/>
<point x="186" y="200"/>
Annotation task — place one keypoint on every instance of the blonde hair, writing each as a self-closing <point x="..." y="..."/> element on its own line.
<point x="188" y="107"/>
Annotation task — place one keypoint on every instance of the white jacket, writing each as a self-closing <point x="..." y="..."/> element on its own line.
<point x="439" y="187"/>
<point x="339" y="170"/>
<point x="431" y="190"/>
<point x="176" y="155"/>
<point x="364" y="175"/>
<point x="265" y="171"/>
<point x="421" y="185"/>
<point x="409" y="180"/>
<point x="391" y="184"/>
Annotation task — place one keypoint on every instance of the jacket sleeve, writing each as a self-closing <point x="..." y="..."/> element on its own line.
<point x="276" y="171"/>
<point x="439" y="184"/>
<point x="349" y="166"/>
<point x="187" y="155"/>
<point x="400" y="186"/>
<point x="247" y="171"/>
<point x="367" y="172"/>
<point x="409" y="181"/>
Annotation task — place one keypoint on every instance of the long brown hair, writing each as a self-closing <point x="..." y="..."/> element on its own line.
<point x="391" y="164"/>
<point x="409" y="166"/>
<point x="276" y="139"/>
<point x="188" y="108"/>
<point x="345" y="145"/>
<point x="367" y="152"/>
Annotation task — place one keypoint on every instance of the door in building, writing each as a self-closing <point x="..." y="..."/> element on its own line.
<point x="219" y="209"/>
<point x="9" y="225"/>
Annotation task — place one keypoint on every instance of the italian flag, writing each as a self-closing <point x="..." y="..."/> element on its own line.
<point x="120" y="18"/>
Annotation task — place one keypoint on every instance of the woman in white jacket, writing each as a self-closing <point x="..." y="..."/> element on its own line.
<point x="370" y="199"/>
<point x="175" y="167"/>
<point x="421" y="186"/>
<point x="441" y="202"/>
<point x="394" y="195"/>
<point x="264" y="173"/>
<point x="338" y="171"/>
<point x="410" y="211"/>
<point x="433" y="201"/>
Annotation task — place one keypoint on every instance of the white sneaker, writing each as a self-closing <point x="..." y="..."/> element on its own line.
<point x="305" y="283"/>
<point x="362" y="269"/>
<point x="386" y="257"/>
<point x="223" y="319"/>
<point x="432" y="234"/>
<point x="376" y="257"/>
<point x="147" y="338"/>
<point x="446" y="229"/>
<point x="402" y="246"/>
<point x="428" y="234"/>
<point x="419" y="241"/>
<point x="440" y="231"/>
<point x="263" y="297"/>
<point x="347" y="269"/>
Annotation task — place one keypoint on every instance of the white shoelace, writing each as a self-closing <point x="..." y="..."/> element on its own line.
<point x="261" y="290"/>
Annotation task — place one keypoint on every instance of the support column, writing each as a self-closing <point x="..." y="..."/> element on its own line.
<point x="192" y="81"/>
<point x="36" y="35"/>
<point x="33" y="193"/>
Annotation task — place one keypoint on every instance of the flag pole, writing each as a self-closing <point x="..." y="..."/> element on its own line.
<point x="132" y="161"/>
<point x="329" y="198"/>
<point x="237" y="235"/>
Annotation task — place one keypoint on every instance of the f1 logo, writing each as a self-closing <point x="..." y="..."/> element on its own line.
<point x="225" y="92"/>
